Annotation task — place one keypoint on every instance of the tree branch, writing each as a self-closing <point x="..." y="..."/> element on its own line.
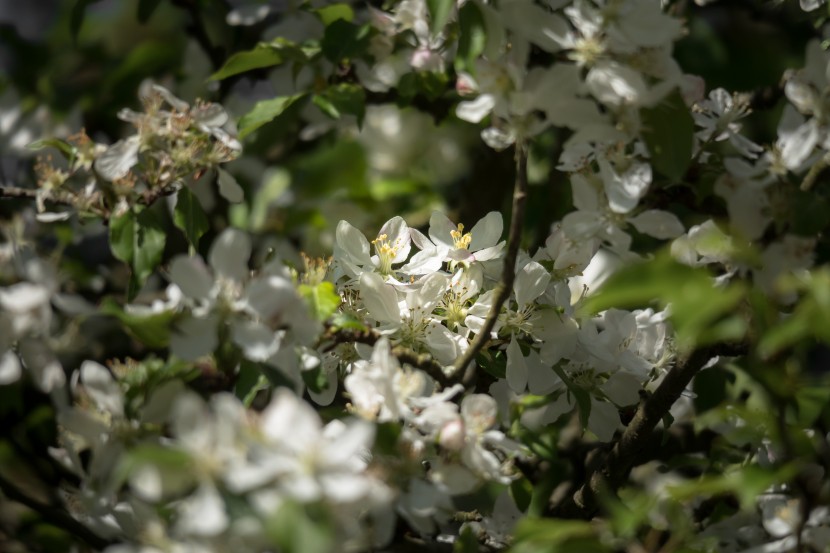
<point x="54" y="197"/>
<point x="54" y="515"/>
<point x="503" y="288"/>
<point x="612" y="471"/>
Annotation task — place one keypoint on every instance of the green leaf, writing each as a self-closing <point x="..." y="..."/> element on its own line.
<point x="294" y="531"/>
<point x="65" y="148"/>
<point x="710" y="387"/>
<point x="76" y="17"/>
<point x="315" y="379"/>
<point x="322" y="298"/>
<point x="536" y="535"/>
<point x="275" y="182"/>
<point x="342" y="98"/>
<point x="668" y="131"/>
<point x="138" y="240"/>
<point x="146" y="9"/>
<point x="263" y="55"/>
<point x="698" y="306"/>
<point x="429" y="84"/>
<point x="521" y="490"/>
<point x="152" y="329"/>
<point x="122" y="236"/>
<point x="493" y="364"/>
<point x="439" y="13"/>
<point x="150" y="239"/>
<point x="265" y="112"/>
<point x="343" y="40"/>
<point x="345" y="321"/>
<point x="466" y="542"/>
<point x="472" y="36"/>
<point x="249" y="382"/>
<point x="174" y="466"/>
<point x="331" y="13"/>
<point x="190" y="217"/>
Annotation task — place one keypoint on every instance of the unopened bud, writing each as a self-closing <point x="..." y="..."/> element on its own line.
<point x="452" y="435"/>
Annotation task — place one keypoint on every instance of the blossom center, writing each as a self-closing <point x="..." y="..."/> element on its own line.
<point x="460" y="240"/>
<point x="386" y="252"/>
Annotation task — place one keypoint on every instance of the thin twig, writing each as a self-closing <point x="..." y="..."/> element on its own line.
<point x="422" y="361"/>
<point x="502" y="290"/>
<point x="54" y="197"/>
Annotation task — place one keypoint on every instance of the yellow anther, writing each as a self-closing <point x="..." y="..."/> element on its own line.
<point x="386" y="252"/>
<point x="460" y="240"/>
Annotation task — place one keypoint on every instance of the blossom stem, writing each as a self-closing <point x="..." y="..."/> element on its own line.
<point x="502" y="290"/>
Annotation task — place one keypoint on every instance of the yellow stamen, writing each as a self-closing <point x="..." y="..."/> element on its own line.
<point x="460" y="240"/>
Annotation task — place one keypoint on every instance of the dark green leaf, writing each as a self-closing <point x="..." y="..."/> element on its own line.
<point x="521" y="490"/>
<point x="668" y="130"/>
<point x="76" y="17"/>
<point x="493" y="364"/>
<point x="472" y="38"/>
<point x="146" y="9"/>
<point x="429" y="84"/>
<point x="466" y="542"/>
<point x="265" y="112"/>
<point x="710" y="388"/>
<point x="697" y="304"/>
<point x="249" y="382"/>
<point x="343" y="40"/>
<point x="264" y="55"/>
<point x="294" y="531"/>
<point x="64" y="147"/>
<point x="315" y="379"/>
<point x="150" y="239"/>
<point x="152" y="330"/>
<point x="190" y="217"/>
<point x="345" y="321"/>
<point x="342" y="98"/>
<point x="122" y="236"/>
<point x="439" y="13"/>
<point x="331" y="13"/>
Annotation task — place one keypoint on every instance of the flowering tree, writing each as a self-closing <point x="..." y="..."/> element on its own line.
<point x="421" y="275"/>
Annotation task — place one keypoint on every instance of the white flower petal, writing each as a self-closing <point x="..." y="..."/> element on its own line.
<point x="10" y="369"/>
<point x="102" y="388"/>
<point x="119" y="158"/>
<point x="193" y="337"/>
<point x="228" y="187"/>
<point x="203" y="513"/>
<point x="192" y="276"/>
<point x="603" y="420"/>
<point x="380" y="299"/>
<point x="487" y="231"/>
<point x="229" y="254"/>
<point x="659" y="224"/>
<point x="258" y="342"/>
<point x="516" y="367"/>
<point x="531" y="282"/>
<point x="473" y="111"/>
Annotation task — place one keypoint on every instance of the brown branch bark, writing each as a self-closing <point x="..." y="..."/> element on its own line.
<point x="610" y="473"/>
